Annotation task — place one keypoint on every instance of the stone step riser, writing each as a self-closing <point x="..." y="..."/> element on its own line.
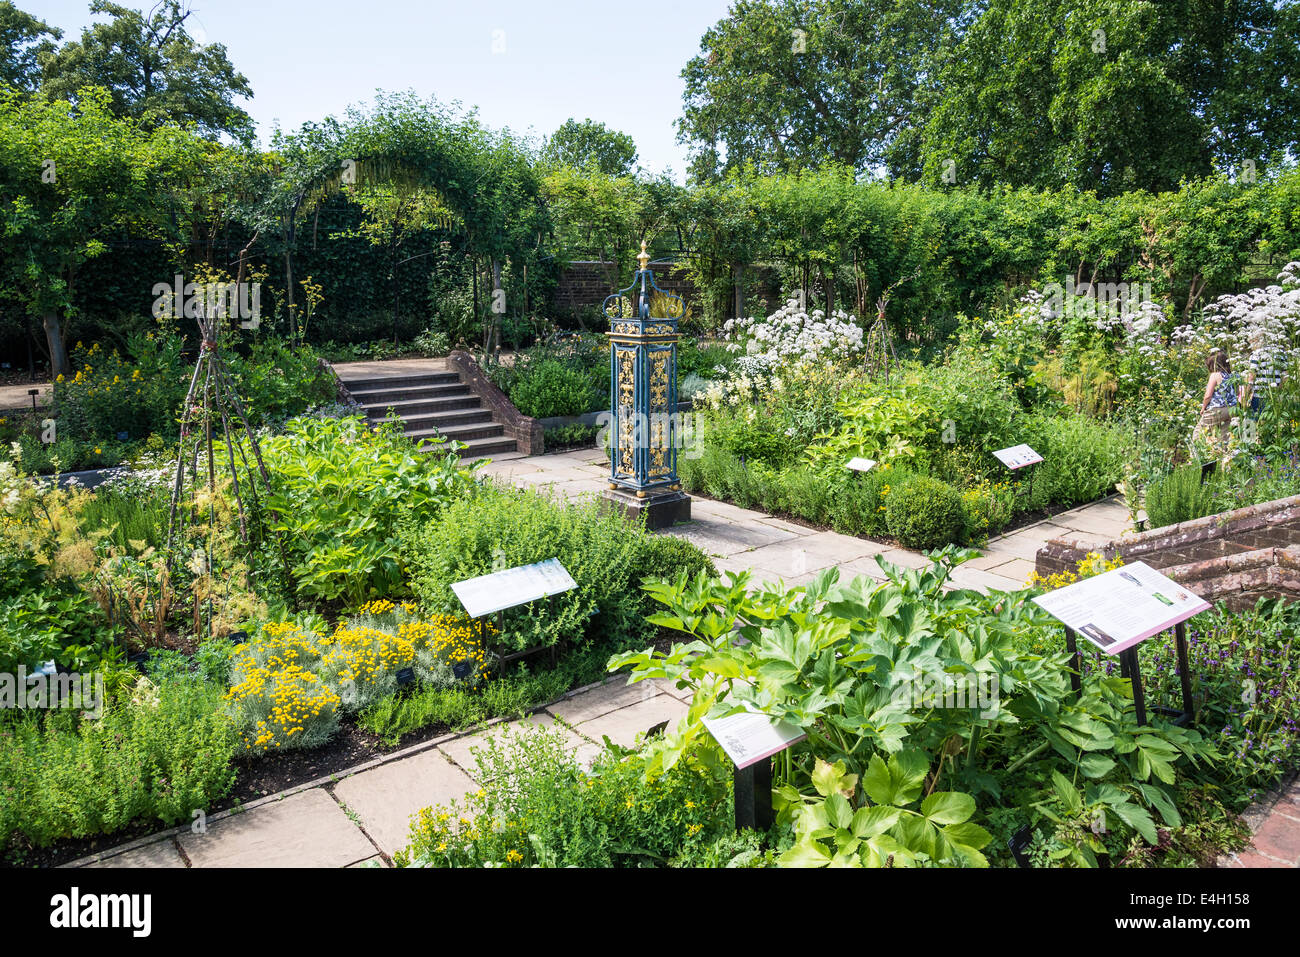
<point x="386" y="396"/>
<point x="425" y="407"/>
<point x="459" y="433"/>
<point x="402" y="382"/>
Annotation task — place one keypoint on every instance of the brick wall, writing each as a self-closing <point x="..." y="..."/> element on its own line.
<point x="586" y="283"/>
<point x="1238" y="556"/>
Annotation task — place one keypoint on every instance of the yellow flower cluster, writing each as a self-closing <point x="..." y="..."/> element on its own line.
<point x="296" y="698"/>
<point x="456" y="640"/>
<point x="361" y="654"/>
<point x="1093" y="564"/>
<point x="291" y="677"/>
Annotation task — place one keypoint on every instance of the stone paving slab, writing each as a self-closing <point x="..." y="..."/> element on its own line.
<point x="14" y="398"/>
<point x="305" y="830"/>
<point x="379" y="368"/>
<point x="788" y="558"/>
<point x="1017" y="569"/>
<point x="553" y="476"/>
<point x="602" y="700"/>
<point x="974" y="578"/>
<point x="670" y="687"/>
<point x="158" y="854"/>
<point x="727" y="511"/>
<point x="384" y="798"/>
<point x="718" y="537"/>
<point x="622" y="726"/>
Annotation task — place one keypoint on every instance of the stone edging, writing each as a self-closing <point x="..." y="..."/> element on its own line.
<point x="527" y="432"/>
<point x="328" y="779"/>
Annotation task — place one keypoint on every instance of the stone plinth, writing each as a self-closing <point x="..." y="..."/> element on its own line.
<point x="662" y="510"/>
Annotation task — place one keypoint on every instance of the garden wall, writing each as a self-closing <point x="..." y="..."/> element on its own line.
<point x="1238" y="556"/>
<point x="587" y="282"/>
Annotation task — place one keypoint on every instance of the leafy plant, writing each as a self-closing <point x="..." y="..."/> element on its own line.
<point x="339" y="491"/>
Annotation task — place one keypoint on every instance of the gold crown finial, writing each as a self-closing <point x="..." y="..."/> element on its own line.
<point x="644" y="258"/>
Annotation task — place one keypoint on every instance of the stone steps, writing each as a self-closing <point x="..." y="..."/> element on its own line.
<point x="434" y="404"/>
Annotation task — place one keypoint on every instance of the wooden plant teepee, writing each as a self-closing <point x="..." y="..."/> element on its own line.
<point x="211" y="398"/>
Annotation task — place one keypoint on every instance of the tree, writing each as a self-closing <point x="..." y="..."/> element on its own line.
<point x="23" y="40"/>
<point x="69" y="177"/>
<point x="782" y="85"/>
<point x="1114" y="95"/>
<point x="153" y="70"/>
<point x="591" y="145"/>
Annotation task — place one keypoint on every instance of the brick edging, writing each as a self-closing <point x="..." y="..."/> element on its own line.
<point x="1256" y="816"/>
<point x="527" y="432"/>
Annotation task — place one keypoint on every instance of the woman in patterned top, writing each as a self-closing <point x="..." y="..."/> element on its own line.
<point x="1220" y="399"/>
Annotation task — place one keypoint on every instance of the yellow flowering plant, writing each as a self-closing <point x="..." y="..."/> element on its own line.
<point x="290" y="684"/>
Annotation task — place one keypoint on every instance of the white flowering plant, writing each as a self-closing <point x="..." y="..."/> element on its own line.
<point x="792" y="336"/>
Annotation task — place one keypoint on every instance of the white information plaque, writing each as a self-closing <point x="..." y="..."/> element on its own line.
<point x="1018" y="456"/>
<point x="1119" y="608"/>
<point x="513" y="586"/>
<point x="750" y="737"/>
<point x="861" y="465"/>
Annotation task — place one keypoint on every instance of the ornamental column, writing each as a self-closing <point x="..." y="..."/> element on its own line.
<point x="646" y="427"/>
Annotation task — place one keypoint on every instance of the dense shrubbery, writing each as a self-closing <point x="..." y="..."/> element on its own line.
<point x="500" y="528"/>
<point x="338" y="493"/>
<point x="158" y="757"/>
<point x="925" y="513"/>
<point x="544" y="809"/>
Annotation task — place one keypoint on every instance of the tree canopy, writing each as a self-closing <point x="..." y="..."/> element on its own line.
<point x="1108" y="95"/>
<point x="154" y="71"/>
<point x="590" y="145"/>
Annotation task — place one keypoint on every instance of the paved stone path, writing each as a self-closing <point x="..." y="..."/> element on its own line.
<point x="739" y="538"/>
<point x="363" y="815"/>
<point x="15" y="398"/>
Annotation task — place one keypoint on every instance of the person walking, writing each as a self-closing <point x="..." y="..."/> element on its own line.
<point x="1219" y="401"/>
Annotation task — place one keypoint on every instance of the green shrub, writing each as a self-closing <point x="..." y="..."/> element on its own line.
<point x="339" y="490"/>
<point x="568" y="436"/>
<point x="924" y="513"/>
<point x="541" y="808"/>
<point x="1179" y="496"/>
<point x="62" y="776"/>
<point x="1082" y="458"/>
<point x="278" y="380"/>
<point x="502" y="528"/>
<point x="856" y="504"/>
<point x="552" y="388"/>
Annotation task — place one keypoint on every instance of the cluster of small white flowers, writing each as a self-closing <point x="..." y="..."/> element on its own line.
<point x="791" y="336"/>
<point x="1253" y="323"/>
<point x="11" y="479"/>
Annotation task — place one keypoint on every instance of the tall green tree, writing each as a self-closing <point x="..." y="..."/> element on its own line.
<point x="70" y="179"/>
<point x="1114" y="95"/>
<point x="23" y="40"/>
<point x="153" y="69"/>
<point x="589" y="145"/>
<point x="781" y="85"/>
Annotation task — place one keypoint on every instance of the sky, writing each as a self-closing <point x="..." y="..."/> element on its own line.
<point x="527" y="66"/>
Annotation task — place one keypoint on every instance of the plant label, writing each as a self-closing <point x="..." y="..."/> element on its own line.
<point x="1018" y="456"/>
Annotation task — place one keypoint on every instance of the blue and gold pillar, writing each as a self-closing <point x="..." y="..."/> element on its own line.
<point x="645" y="431"/>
